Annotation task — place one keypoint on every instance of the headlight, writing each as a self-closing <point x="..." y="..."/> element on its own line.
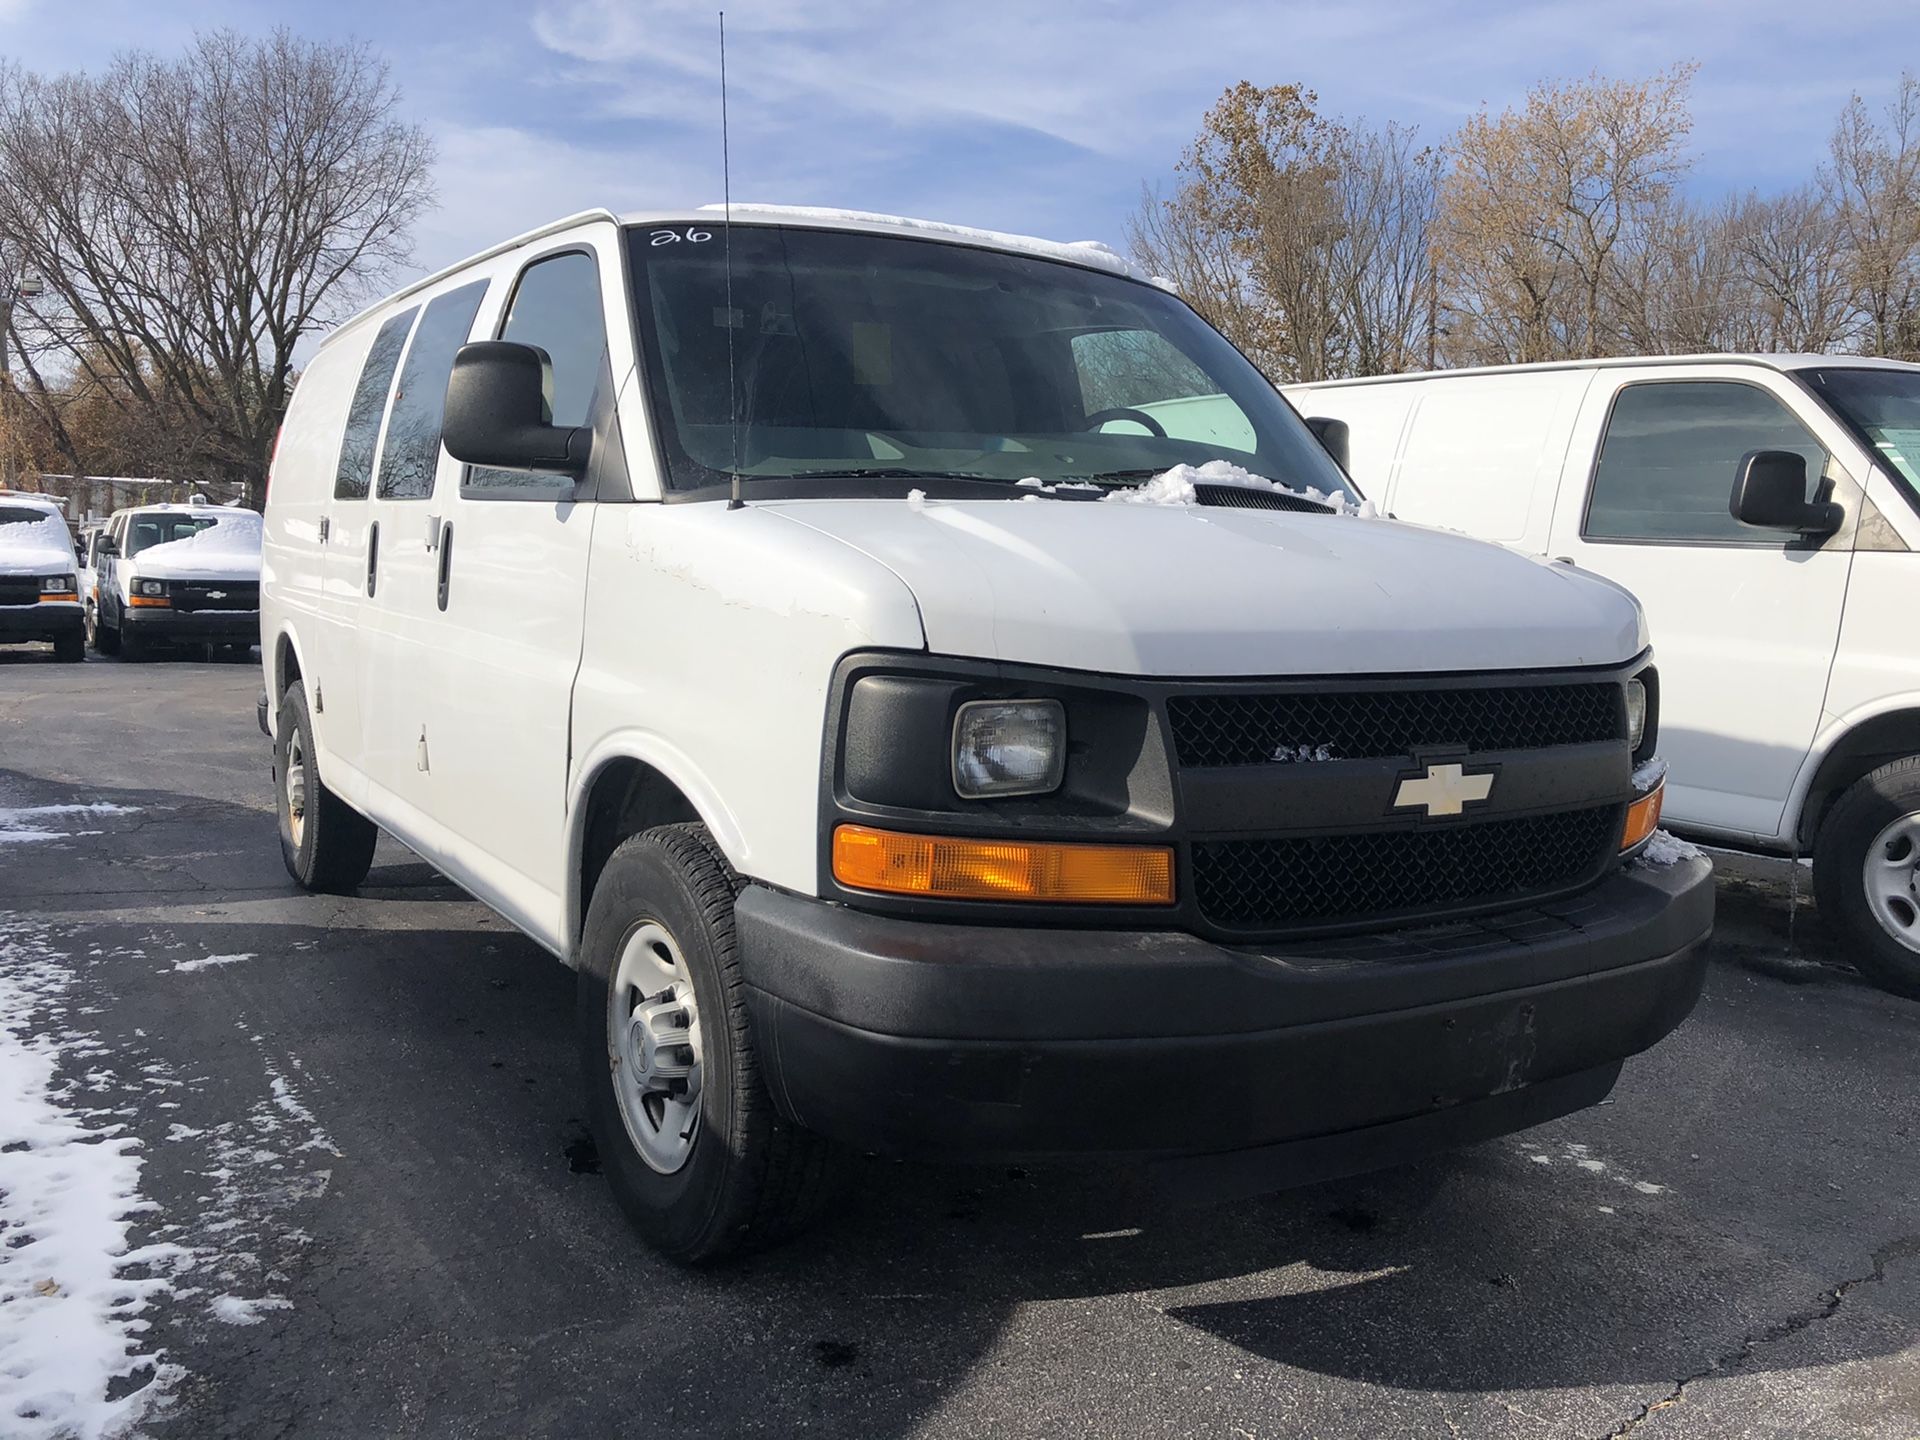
<point x="149" y="587"/>
<point x="1009" y="747"/>
<point x="1636" y="714"/>
<point x="58" y="584"/>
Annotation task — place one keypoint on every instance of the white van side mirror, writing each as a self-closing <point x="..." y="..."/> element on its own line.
<point x="497" y="414"/>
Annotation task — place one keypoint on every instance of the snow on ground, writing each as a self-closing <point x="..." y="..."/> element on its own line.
<point x="28" y="824"/>
<point x="207" y="962"/>
<point x="74" y="1363"/>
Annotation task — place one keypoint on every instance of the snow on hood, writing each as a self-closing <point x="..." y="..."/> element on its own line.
<point x="36" y="547"/>
<point x="1178" y="486"/>
<point x="227" y="550"/>
<point x="1171" y="589"/>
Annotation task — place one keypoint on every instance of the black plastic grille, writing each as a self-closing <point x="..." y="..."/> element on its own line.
<point x="1212" y="730"/>
<point x="1257" y="885"/>
<point x="19" y="589"/>
<point x="1246" y="497"/>
<point x="201" y="594"/>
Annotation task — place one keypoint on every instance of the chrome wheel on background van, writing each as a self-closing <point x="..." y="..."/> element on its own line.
<point x="1867" y="872"/>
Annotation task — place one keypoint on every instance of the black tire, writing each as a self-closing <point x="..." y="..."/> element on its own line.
<point x="751" y="1178"/>
<point x="104" y="639"/>
<point x="334" y="848"/>
<point x="131" y="646"/>
<point x="70" y="648"/>
<point x="1857" y="819"/>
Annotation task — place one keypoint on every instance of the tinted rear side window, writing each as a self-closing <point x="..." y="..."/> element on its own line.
<point x="1671" y="450"/>
<point x="355" y="472"/>
<point x="412" y="452"/>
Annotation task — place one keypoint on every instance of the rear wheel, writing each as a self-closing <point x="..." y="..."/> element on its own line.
<point x="1867" y="873"/>
<point x="70" y="648"/>
<point x="689" y="1139"/>
<point x="328" y="845"/>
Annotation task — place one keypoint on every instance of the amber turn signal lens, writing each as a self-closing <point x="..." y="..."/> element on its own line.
<point x="149" y="602"/>
<point x="946" y="868"/>
<point x="48" y="597"/>
<point x="1643" y="818"/>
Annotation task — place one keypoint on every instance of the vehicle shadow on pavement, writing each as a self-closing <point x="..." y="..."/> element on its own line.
<point x="452" y="1263"/>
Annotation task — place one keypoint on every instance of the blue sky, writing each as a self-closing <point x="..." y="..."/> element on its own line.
<point x="1044" y="117"/>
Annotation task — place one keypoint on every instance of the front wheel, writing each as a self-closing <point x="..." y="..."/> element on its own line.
<point x="1866" y="873"/>
<point x="103" y="639"/>
<point x="327" y="845"/>
<point x="698" y="1159"/>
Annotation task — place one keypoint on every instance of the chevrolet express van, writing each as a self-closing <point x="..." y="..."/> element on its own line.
<point x="821" y="632"/>
<point x="175" y="574"/>
<point x="39" y="586"/>
<point x="1766" y="510"/>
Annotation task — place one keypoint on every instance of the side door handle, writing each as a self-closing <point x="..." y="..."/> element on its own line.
<point x="373" y="556"/>
<point x="326" y="527"/>
<point x="446" y="560"/>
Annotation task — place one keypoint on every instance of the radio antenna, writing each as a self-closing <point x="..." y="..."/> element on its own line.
<point x="726" y="205"/>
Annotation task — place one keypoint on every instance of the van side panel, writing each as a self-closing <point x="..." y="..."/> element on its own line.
<point x="1376" y="416"/>
<point x="293" y="601"/>
<point x="1483" y="454"/>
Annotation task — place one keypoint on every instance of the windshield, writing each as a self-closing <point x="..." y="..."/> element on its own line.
<point x="146" y="531"/>
<point x="900" y="359"/>
<point x="23" y="515"/>
<point x="1883" y="407"/>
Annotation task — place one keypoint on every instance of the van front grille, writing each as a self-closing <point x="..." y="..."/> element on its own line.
<point x="214" y="594"/>
<point x="1259" y="729"/>
<point x="19" y="590"/>
<point x="1299" y="883"/>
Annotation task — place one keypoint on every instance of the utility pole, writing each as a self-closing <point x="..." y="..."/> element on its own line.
<point x="12" y="289"/>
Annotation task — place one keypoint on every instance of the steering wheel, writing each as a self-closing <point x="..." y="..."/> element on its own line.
<point x="1127" y="412"/>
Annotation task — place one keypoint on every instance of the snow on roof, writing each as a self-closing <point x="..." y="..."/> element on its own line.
<point x="1091" y="253"/>
<point x="1770" y="362"/>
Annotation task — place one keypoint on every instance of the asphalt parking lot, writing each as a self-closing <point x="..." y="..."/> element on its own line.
<point x="360" y="1117"/>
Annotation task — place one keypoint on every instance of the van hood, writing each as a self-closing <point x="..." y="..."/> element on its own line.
<point x="36" y="548"/>
<point x="1215" y="591"/>
<point x="229" y="550"/>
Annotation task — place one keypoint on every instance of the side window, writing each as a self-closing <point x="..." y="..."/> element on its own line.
<point x="1145" y="372"/>
<point x="354" y="476"/>
<point x="556" y="306"/>
<point x="1668" y="458"/>
<point x="412" y="451"/>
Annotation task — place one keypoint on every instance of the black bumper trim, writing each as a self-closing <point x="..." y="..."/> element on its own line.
<point x="989" y="1044"/>
<point x="220" y="627"/>
<point x="40" y="622"/>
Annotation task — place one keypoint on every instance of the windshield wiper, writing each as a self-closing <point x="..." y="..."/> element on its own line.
<point x="895" y="472"/>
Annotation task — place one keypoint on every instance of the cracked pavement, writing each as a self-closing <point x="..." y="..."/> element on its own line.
<point x="1729" y="1247"/>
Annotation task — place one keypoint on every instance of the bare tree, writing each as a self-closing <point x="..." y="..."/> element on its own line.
<point x="1299" y="237"/>
<point x="193" y="218"/>
<point x="1548" y="210"/>
<point x="1876" y="171"/>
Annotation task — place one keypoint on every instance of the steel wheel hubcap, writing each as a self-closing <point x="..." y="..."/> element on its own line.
<point x="1893" y="880"/>
<point x="296" y="786"/>
<point x="653" y="1045"/>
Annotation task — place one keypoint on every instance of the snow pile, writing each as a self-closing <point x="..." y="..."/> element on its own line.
<point x="72" y="1291"/>
<point x="1178" y="486"/>
<point x="1079" y="252"/>
<point x="211" y="960"/>
<point x="234" y="532"/>
<point x="1665" y="849"/>
<point x="32" y="543"/>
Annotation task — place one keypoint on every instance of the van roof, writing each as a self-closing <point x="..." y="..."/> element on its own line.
<point x="1770" y="362"/>
<point x="1092" y="254"/>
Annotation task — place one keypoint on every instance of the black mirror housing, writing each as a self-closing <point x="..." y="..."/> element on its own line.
<point x="497" y="415"/>
<point x="105" y="545"/>
<point x="1770" y="492"/>
<point x="1334" y="437"/>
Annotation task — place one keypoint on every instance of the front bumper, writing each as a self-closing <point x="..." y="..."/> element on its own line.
<point x="1258" y="1067"/>
<point x="42" y="621"/>
<point x="206" y="627"/>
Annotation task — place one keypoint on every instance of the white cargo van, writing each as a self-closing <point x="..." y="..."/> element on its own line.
<point x="39" y="588"/>
<point x="823" y="633"/>
<point x="175" y="574"/>
<point x="1766" y="510"/>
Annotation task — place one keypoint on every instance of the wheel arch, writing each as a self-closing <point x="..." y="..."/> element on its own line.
<point x="625" y="787"/>
<point x="287" y="663"/>
<point x="1859" y="745"/>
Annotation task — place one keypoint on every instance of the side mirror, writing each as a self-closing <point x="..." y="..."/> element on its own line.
<point x="1333" y="436"/>
<point x="105" y="546"/>
<point x="1770" y="491"/>
<point x="498" y="416"/>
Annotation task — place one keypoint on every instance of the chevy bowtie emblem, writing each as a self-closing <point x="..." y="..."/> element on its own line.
<point x="216" y="594"/>
<point x="1443" y="790"/>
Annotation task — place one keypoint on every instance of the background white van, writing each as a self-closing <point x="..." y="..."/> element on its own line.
<point x="1790" y="676"/>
